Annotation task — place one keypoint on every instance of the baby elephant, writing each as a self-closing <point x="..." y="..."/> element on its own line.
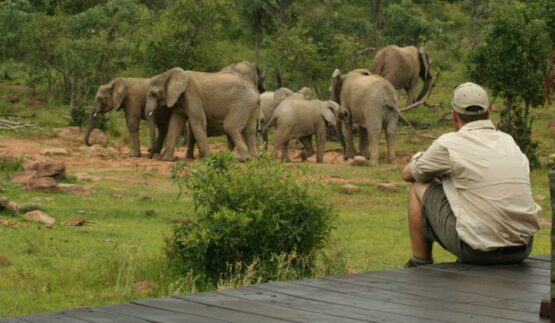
<point x="301" y="119"/>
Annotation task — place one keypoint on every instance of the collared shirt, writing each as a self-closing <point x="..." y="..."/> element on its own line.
<point x="486" y="179"/>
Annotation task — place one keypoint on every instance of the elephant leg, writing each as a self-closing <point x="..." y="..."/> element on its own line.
<point x="177" y="122"/>
<point x="190" y="153"/>
<point x="320" y="143"/>
<point x="307" y="147"/>
<point x="374" y="133"/>
<point x="390" y="133"/>
<point x="363" y="142"/>
<point x="162" y="132"/>
<point x="235" y="134"/>
<point x="133" y="125"/>
<point x="285" y="152"/>
<point x="412" y="92"/>
<point x="349" y="140"/>
<point x="230" y="144"/>
<point x="250" y="134"/>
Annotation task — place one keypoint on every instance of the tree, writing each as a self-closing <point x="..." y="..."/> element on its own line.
<point x="512" y="62"/>
<point x="405" y="24"/>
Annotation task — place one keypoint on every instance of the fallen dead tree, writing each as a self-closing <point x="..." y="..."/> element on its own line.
<point x="14" y="125"/>
<point x="425" y="98"/>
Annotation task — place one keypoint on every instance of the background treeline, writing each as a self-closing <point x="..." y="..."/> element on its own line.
<point x="70" y="47"/>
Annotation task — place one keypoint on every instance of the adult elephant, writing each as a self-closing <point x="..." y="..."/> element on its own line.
<point x="301" y="119"/>
<point x="249" y="71"/>
<point x="402" y="66"/>
<point x="129" y="95"/>
<point x="207" y="101"/>
<point x="371" y="102"/>
<point x="269" y="102"/>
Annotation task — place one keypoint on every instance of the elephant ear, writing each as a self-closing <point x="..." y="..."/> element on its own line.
<point x="175" y="86"/>
<point x="327" y="111"/>
<point x="424" y="62"/>
<point x="281" y="94"/>
<point x="119" y="93"/>
<point x="362" y="71"/>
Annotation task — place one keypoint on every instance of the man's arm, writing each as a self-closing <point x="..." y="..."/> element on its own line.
<point x="406" y="175"/>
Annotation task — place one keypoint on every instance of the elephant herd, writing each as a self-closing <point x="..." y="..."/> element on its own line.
<point x="234" y="102"/>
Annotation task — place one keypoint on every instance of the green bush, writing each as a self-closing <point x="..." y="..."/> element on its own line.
<point x="259" y="219"/>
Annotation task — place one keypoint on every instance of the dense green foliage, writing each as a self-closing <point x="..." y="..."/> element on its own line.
<point x="259" y="216"/>
<point x="520" y="44"/>
<point x="71" y="47"/>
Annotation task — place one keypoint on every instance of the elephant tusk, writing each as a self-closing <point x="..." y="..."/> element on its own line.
<point x="95" y="114"/>
<point x="150" y="114"/>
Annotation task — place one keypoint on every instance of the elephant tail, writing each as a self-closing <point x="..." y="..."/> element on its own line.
<point x="272" y="122"/>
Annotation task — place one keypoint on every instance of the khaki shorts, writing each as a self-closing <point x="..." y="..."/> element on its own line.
<point x="439" y="224"/>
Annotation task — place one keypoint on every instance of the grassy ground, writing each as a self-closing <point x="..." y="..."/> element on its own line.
<point x="132" y="209"/>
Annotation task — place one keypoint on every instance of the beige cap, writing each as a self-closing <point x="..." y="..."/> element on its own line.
<point x="467" y="95"/>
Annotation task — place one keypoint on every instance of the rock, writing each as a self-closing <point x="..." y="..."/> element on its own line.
<point x="23" y="177"/>
<point x="54" y="152"/>
<point x="70" y="133"/>
<point x="145" y="286"/>
<point x="349" y="189"/>
<point x="6" y="203"/>
<point x="5" y="261"/>
<point x="28" y="207"/>
<point x="359" y="161"/>
<point x="56" y="169"/>
<point x="99" y="151"/>
<point x="86" y="177"/>
<point x="45" y="184"/>
<point x="97" y="137"/>
<point x="79" y="190"/>
<point x="385" y="186"/>
<point x="39" y="216"/>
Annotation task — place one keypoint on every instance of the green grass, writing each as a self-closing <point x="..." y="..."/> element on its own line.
<point x="66" y="267"/>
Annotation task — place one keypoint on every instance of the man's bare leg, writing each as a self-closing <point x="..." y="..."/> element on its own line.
<point x="421" y="248"/>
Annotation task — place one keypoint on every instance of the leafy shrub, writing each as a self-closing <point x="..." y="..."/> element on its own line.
<point x="259" y="217"/>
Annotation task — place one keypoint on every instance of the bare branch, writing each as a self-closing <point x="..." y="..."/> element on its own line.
<point x="423" y="100"/>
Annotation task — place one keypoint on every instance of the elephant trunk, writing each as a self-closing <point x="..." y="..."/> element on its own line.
<point x="339" y="129"/>
<point x="90" y="126"/>
<point x="425" y="88"/>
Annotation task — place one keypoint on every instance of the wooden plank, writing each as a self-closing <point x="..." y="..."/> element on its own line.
<point x="492" y="280"/>
<point x="259" y="308"/>
<point x="95" y="315"/>
<point x="184" y="306"/>
<point x="405" y="305"/>
<point x="50" y="318"/>
<point x="457" y="282"/>
<point x="513" y="304"/>
<point x="327" y="286"/>
<point x="11" y="320"/>
<point x="521" y="278"/>
<point x="540" y="258"/>
<point x="156" y="315"/>
<point x="341" y="312"/>
<point x="537" y="264"/>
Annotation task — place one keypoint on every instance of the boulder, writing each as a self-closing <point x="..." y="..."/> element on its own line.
<point x="55" y="151"/>
<point x="23" y="177"/>
<point x="359" y="161"/>
<point x="70" y="133"/>
<point x="56" y="169"/>
<point x="39" y="216"/>
<point x="97" y="137"/>
<point x="79" y="190"/>
<point x="349" y="189"/>
<point x="6" y="203"/>
<point x="386" y="186"/>
<point x="45" y="184"/>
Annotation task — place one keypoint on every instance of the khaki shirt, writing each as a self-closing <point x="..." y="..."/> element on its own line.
<point x="486" y="179"/>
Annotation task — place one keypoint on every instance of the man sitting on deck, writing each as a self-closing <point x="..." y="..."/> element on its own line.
<point x="471" y="190"/>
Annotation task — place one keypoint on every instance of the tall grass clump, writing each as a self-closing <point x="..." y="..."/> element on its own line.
<point x="251" y="222"/>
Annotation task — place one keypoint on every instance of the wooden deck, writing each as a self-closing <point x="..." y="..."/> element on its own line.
<point x="435" y="293"/>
